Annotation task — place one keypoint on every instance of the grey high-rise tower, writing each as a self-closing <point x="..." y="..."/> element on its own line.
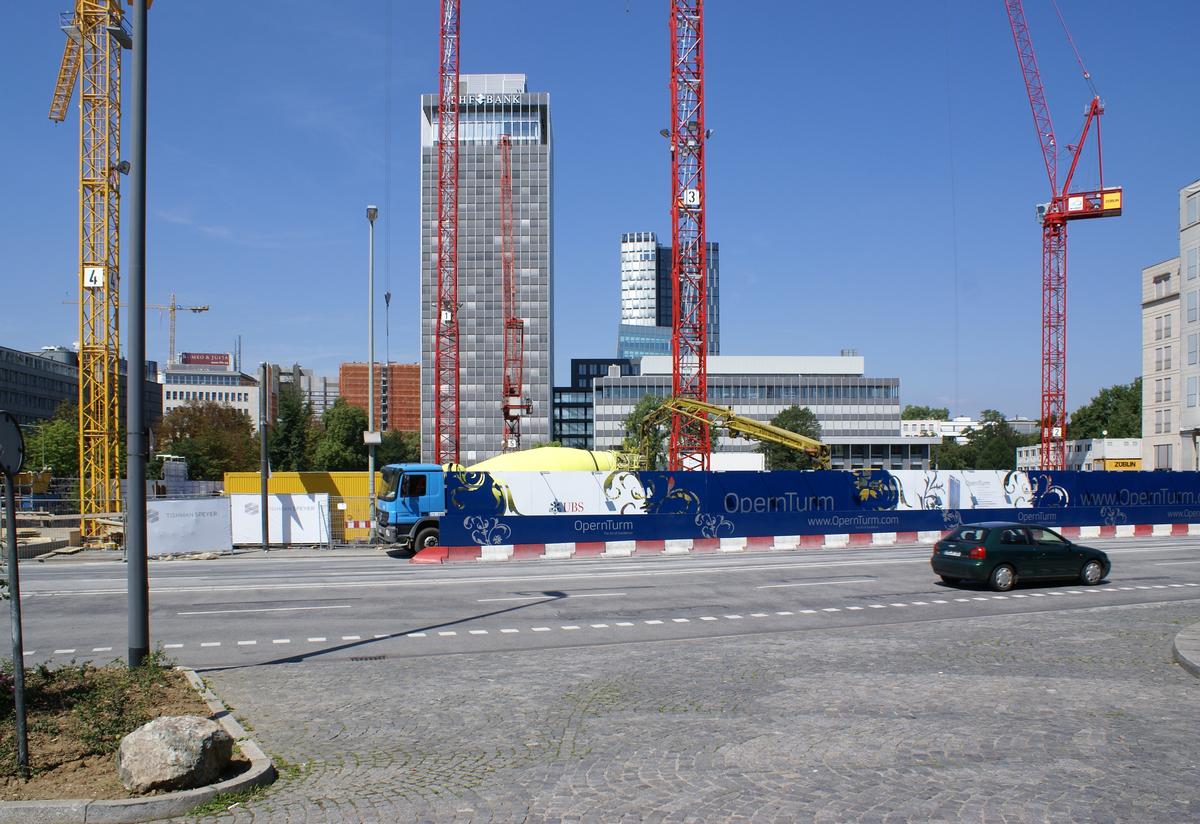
<point x="491" y="105"/>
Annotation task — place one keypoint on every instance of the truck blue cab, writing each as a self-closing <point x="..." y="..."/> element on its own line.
<point x="409" y="509"/>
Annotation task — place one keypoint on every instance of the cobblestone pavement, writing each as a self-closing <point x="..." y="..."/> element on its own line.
<point x="1074" y="716"/>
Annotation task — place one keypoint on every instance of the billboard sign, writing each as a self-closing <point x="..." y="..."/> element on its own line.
<point x="206" y="358"/>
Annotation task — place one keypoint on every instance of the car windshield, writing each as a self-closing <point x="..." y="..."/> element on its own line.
<point x="969" y="533"/>
<point x="391" y="482"/>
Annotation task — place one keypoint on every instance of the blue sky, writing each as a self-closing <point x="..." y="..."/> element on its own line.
<point x="839" y="129"/>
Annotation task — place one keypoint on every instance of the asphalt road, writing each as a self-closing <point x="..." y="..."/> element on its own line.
<point x="252" y="611"/>
<point x="825" y="686"/>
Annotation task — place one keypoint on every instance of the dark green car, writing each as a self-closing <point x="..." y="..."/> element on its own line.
<point x="1000" y="554"/>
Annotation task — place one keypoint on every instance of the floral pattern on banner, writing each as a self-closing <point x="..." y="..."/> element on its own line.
<point x="876" y="489"/>
<point x="674" y="500"/>
<point x="469" y="490"/>
<point x="486" y="531"/>
<point x="711" y="526"/>
<point x="1113" y="516"/>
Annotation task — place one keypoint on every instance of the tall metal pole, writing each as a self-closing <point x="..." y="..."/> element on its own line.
<point x="263" y="461"/>
<point x="137" y="574"/>
<point x="18" y="644"/>
<point x="372" y="213"/>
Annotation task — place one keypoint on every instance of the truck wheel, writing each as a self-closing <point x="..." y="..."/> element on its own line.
<point x="427" y="537"/>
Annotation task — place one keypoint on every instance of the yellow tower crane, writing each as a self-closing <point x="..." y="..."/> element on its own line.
<point x="96" y="33"/>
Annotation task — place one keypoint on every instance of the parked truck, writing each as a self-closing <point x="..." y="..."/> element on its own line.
<point x="412" y="502"/>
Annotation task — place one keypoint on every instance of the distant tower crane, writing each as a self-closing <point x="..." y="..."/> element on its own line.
<point x="445" y="309"/>
<point x="170" y="309"/>
<point x="690" y="443"/>
<point x="96" y="33"/>
<point x="1063" y="206"/>
<point x="513" y="404"/>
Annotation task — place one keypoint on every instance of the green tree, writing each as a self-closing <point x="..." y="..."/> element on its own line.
<point x="54" y="444"/>
<point x="925" y="413"/>
<point x="991" y="445"/>
<point x="214" y="439"/>
<point x="1116" y="409"/>
<point x="340" y="446"/>
<point x="645" y="440"/>
<point x="289" y="437"/>
<point x="398" y="447"/>
<point x="798" y="419"/>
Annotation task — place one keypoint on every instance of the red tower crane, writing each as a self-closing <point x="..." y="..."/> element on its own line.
<point x="690" y="446"/>
<point x="1054" y="215"/>
<point x="513" y="404"/>
<point x="445" y="310"/>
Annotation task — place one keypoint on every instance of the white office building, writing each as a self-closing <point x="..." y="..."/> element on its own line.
<point x="859" y="415"/>
<point x="1171" y="348"/>
<point x="209" y="377"/>
<point x="1090" y="455"/>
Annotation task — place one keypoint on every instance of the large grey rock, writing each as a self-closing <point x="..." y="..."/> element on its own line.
<point x="173" y="753"/>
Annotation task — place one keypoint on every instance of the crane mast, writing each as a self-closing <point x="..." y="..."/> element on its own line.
<point x="512" y="400"/>
<point x="445" y="311"/>
<point x="690" y="441"/>
<point x="96" y="33"/>
<point x="1062" y="207"/>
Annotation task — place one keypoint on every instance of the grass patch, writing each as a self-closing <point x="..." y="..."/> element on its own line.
<point x="77" y="715"/>
<point x="221" y="802"/>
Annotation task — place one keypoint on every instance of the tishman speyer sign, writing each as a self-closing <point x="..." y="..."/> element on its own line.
<point x="188" y="525"/>
<point x="504" y="508"/>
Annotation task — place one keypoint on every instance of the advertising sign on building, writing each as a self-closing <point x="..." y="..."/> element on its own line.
<point x="206" y="358"/>
<point x="291" y="519"/>
<point x="188" y="525"/>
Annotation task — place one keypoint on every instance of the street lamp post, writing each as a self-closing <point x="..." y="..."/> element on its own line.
<point x="371" y="437"/>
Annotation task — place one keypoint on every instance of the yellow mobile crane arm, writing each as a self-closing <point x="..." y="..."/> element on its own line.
<point x="739" y="426"/>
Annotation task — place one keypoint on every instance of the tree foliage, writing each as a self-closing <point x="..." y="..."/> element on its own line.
<point x="648" y="441"/>
<point x="290" y="439"/>
<point x="54" y="443"/>
<point x="398" y="447"/>
<point x="798" y="419"/>
<point x="991" y="445"/>
<point x="214" y="439"/>
<point x="1116" y="409"/>
<point x="925" y="413"/>
<point x="340" y="446"/>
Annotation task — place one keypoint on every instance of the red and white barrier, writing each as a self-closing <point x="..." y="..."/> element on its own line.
<point x="777" y="543"/>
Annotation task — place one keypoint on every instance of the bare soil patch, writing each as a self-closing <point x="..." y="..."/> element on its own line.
<point x="77" y="716"/>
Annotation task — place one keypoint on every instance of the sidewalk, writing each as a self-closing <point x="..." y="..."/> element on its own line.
<point x="1187" y="649"/>
<point x="118" y="556"/>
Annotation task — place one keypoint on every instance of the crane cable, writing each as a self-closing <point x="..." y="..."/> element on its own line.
<point x="1078" y="58"/>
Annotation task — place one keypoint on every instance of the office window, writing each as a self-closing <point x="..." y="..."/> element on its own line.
<point x="1158" y="422"/>
<point x="1167" y="326"/>
<point x="1192" y="386"/>
<point x="1161" y="284"/>
<point x="1166" y="421"/>
<point x="1193" y="262"/>
<point x="1158" y="390"/>
<point x="1162" y="456"/>
<point x="1166" y="390"/>
<point x="1193" y="304"/>
<point x="1193" y="208"/>
<point x="1193" y="352"/>
<point x="1158" y="358"/>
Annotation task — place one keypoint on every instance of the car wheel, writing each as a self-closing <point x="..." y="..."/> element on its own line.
<point x="1092" y="573"/>
<point x="427" y="537"/>
<point x="949" y="579"/>
<point x="1002" y="578"/>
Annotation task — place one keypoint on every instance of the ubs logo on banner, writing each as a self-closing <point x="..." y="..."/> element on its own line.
<point x="566" y="507"/>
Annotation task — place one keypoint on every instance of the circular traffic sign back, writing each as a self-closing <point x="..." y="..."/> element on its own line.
<point x="12" y="445"/>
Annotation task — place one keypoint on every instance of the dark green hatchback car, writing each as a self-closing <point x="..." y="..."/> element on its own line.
<point x="1000" y="554"/>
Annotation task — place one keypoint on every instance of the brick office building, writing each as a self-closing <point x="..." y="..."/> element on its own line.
<point x="397" y="393"/>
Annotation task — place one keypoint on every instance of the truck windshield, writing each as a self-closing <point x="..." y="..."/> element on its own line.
<point x="391" y="482"/>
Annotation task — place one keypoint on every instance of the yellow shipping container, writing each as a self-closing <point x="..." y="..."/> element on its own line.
<point x="351" y="489"/>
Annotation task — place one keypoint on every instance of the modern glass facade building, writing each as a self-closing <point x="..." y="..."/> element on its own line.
<point x="491" y="105"/>
<point x="646" y="297"/>
<point x="572" y="420"/>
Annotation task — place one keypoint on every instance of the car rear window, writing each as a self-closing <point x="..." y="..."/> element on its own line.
<point x="969" y="533"/>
